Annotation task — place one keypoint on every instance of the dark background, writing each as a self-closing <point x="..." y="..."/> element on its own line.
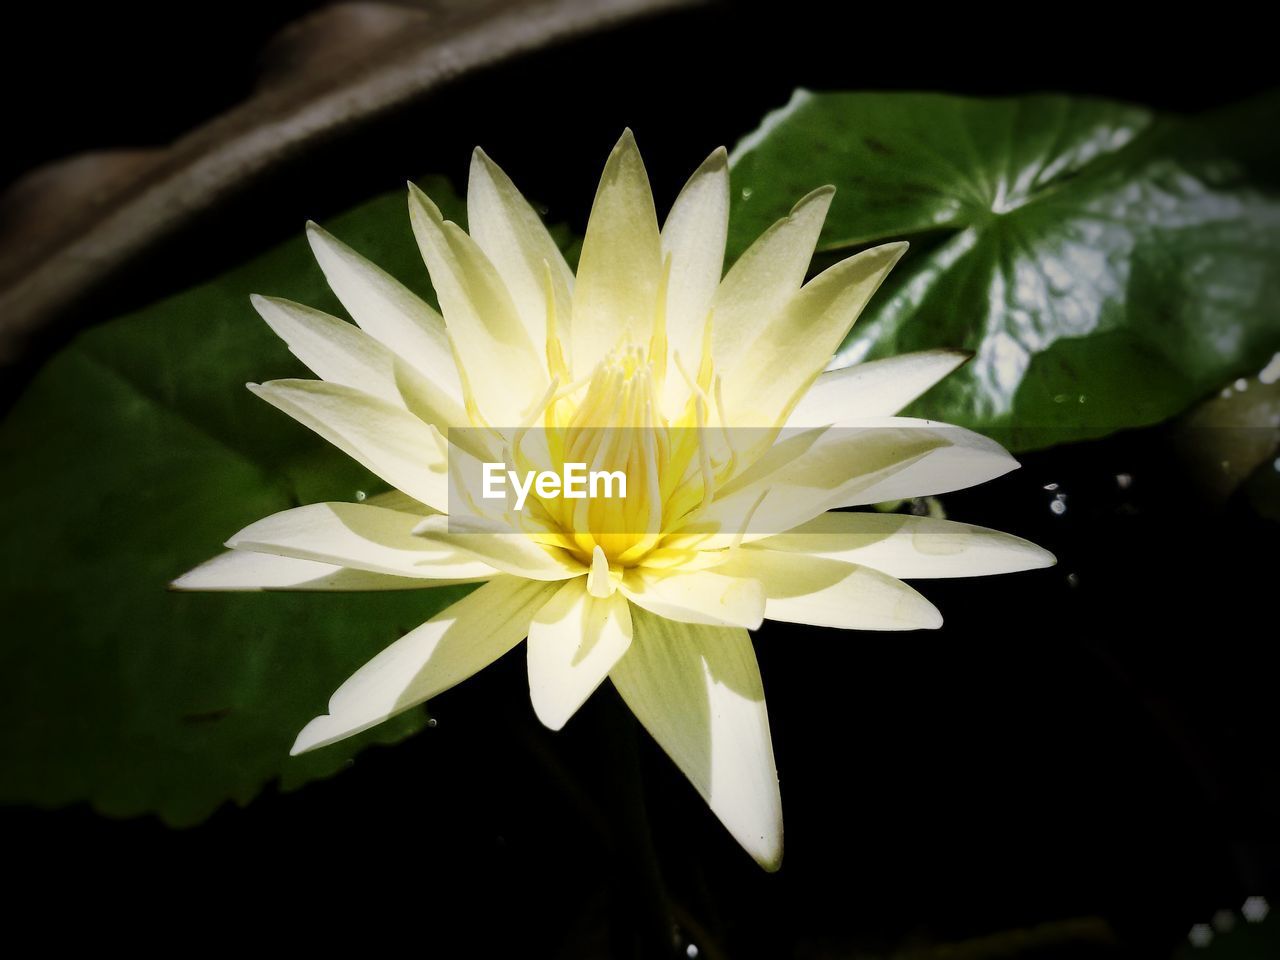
<point x="1093" y="740"/>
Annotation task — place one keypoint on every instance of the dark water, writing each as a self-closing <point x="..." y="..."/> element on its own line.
<point x="1094" y="742"/>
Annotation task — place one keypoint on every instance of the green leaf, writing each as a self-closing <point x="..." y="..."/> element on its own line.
<point x="134" y="454"/>
<point x="1107" y="265"/>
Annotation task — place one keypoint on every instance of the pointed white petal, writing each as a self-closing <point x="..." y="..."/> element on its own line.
<point x="360" y="536"/>
<point x="694" y="238"/>
<point x="574" y="641"/>
<point x="332" y="349"/>
<point x="831" y="593"/>
<point x="697" y="690"/>
<point x="599" y="582"/>
<point x="879" y="388"/>
<point x="504" y="368"/>
<point x="618" y="273"/>
<point x="514" y="553"/>
<point x="516" y="241"/>
<point x="794" y="347"/>
<point x="388" y="311"/>
<point x="853" y="464"/>
<point x="457" y="642"/>
<point x="390" y="441"/>
<point x="241" y="570"/>
<point x="765" y="278"/>
<point x="905" y="546"/>
<point x="699" y="596"/>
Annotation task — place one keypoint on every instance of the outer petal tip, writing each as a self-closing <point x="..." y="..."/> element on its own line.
<point x="309" y="737"/>
<point x="822" y="194"/>
<point x="1041" y="558"/>
<point x="418" y="200"/>
<point x="770" y="857"/>
<point x="553" y="720"/>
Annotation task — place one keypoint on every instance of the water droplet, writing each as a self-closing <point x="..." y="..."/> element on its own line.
<point x="1073" y="579"/>
<point x="1050" y="487"/>
<point x="1242" y="384"/>
<point x="1058" y="507"/>
<point x="746" y="193"/>
<point x="1124" y="480"/>
<point x="691" y="951"/>
<point x="1271" y="372"/>
<point x="1255" y="909"/>
<point x="361" y="496"/>
<point x="1201" y="935"/>
<point x="1082" y="398"/>
<point x="431" y="722"/>
<point x="1060" y="398"/>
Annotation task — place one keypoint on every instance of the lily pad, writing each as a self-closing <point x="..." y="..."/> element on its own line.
<point x="1107" y="265"/>
<point x="133" y="454"/>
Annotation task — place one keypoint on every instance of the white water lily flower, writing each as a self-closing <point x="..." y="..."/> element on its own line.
<point x="648" y="339"/>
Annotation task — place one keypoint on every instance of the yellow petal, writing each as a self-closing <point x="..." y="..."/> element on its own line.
<point x="693" y="237"/>
<point x="614" y="298"/>
<point x="765" y="278"/>
<point x="502" y="365"/>
<point x="697" y="690"/>
<point x="516" y="241"/>
<point x="792" y="349"/>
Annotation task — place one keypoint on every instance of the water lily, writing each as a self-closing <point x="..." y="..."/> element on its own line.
<point x="710" y="391"/>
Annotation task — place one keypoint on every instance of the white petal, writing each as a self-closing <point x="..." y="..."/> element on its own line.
<point x="879" y="388"/>
<point x="618" y="273"/>
<point x="700" y="596"/>
<point x="765" y="278"/>
<point x="905" y="546"/>
<point x="694" y="238"/>
<point x="503" y="367"/>
<point x="831" y="593"/>
<point x="390" y="441"/>
<point x="574" y="641"/>
<point x="697" y="690"/>
<point x="332" y="349"/>
<point x="516" y="241"/>
<point x="241" y="570"/>
<point x="794" y="347"/>
<point x="515" y="553"/>
<point x="451" y="646"/>
<point x="853" y="464"/>
<point x="360" y="536"/>
<point x="389" y="312"/>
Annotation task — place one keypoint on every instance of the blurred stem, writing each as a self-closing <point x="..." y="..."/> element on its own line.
<point x="641" y="925"/>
